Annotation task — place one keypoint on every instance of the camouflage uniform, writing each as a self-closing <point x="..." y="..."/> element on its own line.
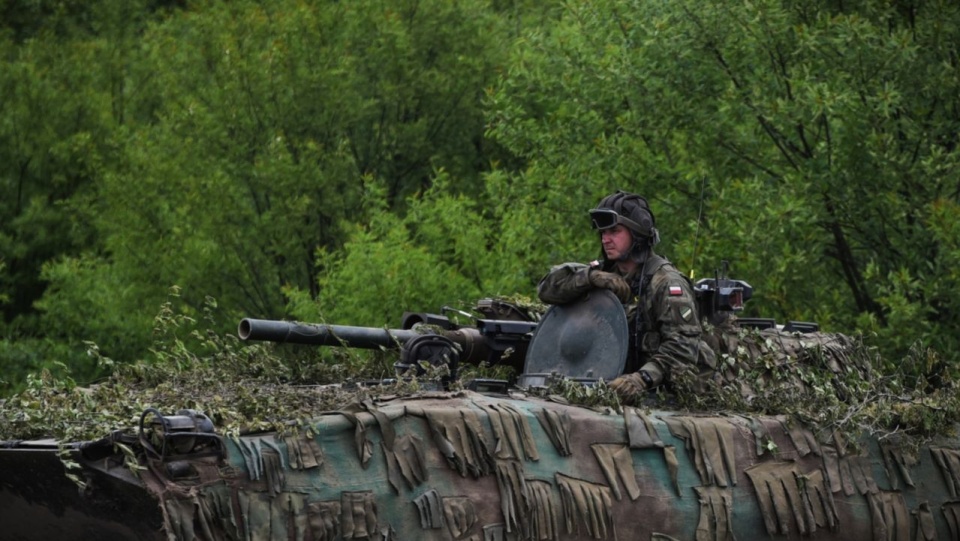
<point x="665" y="332"/>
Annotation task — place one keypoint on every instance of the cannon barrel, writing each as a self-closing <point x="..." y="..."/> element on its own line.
<point x="489" y="341"/>
<point x="323" y="335"/>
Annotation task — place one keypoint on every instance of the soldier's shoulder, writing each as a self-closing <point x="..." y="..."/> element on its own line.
<point x="668" y="281"/>
<point x="665" y="270"/>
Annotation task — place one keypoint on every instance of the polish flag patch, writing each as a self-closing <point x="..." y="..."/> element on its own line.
<point x="676" y="291"/>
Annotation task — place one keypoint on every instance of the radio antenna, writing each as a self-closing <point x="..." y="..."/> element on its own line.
<point x="696" y="236"/>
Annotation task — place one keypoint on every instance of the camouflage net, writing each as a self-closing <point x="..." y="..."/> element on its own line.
<point x="243" y="388"/>
<point x="824" y="380"/>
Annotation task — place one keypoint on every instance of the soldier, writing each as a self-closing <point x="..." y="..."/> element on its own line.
<point x="664" y="327"/>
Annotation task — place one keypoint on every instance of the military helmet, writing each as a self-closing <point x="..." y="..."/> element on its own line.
<point x="629" y="210"/>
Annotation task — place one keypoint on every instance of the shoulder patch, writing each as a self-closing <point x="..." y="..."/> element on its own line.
<point x="676" y="291"/>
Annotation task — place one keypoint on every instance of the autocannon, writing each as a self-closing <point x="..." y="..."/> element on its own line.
<point x="499" y="337"/>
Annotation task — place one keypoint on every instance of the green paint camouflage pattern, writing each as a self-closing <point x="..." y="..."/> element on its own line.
<point x="463" y="465"/>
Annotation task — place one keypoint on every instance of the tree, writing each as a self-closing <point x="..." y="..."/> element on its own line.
<point x="63" y="77"/>
<point x="819" y="140"/>
<point x="268" y="122"/>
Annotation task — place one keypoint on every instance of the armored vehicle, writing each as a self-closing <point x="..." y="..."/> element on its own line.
<point x="491" y="459"/>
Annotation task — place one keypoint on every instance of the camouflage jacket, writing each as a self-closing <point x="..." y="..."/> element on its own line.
<point x="665" y="331"/>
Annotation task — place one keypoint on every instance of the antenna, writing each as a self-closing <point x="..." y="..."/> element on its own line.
<point x="696" y="236"/>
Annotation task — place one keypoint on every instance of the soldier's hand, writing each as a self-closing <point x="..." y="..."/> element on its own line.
<point x="612" y="281"/>
<point x="630" y="387"/>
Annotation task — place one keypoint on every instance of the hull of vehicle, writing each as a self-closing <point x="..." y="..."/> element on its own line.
<point x="39" y="501"/>
<point x="472" y="466"/>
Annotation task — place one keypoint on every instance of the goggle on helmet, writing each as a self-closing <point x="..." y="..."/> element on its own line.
<point x="628" y="210"/>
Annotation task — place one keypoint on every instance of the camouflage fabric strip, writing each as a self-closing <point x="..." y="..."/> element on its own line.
<point x="546" y="516"/>
<point x="586" y="503"/>
<point x="304" y="452"/>
<point x="324" y="520"/>
<point x="641" y="433"/>
<point x="926" y="527"/>
<point x="431" y="510"/>
<point x="787" y="496"/>
<point x="716" y="513"/>
<point x="358" y="519"/>
<point x="556" y="425"/>
<point x="512" y="432"/>
<point x="803" y="440"/>
<point x="896" y="461"/>
<point x="889" y="514"/>
<point x="617" y="463"/>
<point x="514" y="498"/>
<point x="459" y="514"/>
<point x="951" y="511"/>
<point x="949" y="462"/>
<point x="710" y="441"/>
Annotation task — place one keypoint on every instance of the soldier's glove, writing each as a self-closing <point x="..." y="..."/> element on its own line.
<point x="632" y="387"/>
<point x="612" y="281"/>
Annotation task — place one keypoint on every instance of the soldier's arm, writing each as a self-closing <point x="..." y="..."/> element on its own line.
<point x="676" y="318"/>
<point x="564" y="283"/>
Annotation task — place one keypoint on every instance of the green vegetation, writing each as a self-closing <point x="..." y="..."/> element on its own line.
<point x="345" y="162"/>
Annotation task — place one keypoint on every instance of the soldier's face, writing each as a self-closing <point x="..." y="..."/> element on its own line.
<point x="616" y="242"/>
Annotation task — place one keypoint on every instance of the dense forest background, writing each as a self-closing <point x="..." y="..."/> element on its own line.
<point x="347" y="161"/>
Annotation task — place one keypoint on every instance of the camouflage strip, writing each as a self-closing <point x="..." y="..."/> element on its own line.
<point x="951" y="511"/>
<point x="358" y="515"/>
<point x="251" y="456"/>
<point x="301" y="520"/>
<point x="760" y="434"/>
<point x="324" y="520"/>
<point x="673" y="466"/>
<point x="265" y="516"/>
<point x="303" y="452"/>
<point x="897" y="461"/>
<point x="926" y="525"/>
<point x="511" y="432"/>
<point x="460" y="439"/>
<point x="641" y="432"/>
<point x="716" y="514"/>
<point x="514" y="496"/>
<point x="588" y="504"/>
<point x="178" y="518"/>
<point x="478" y="443"/>
<point x="557" y="426"/>
<point x="840" y="443"/>
<point x="393" y="470"/>
<point x="617" y="462"/>
<point x="787" y="496"/>
<point x="949" y="462"/>
<point x="802" y="438"/>
<point x="264" y="459"/>
<point x="206" y="519"/>
<point x="431" y="510"/>
<point x="493" y="532"/>
<point x="407" y="460"/>
<point x="273" y="469"/>
<point x="546" y="515"/>
<point x="817" y="500"/>
<point x="364" y="446"/>
<point x="215" y="506"/>
<point x="831" y="464"/>
<point x="710" y="441"/>
<point x="460" y="515"/>
<point x="888" y="512"/>
<point x="860" y="472"/>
